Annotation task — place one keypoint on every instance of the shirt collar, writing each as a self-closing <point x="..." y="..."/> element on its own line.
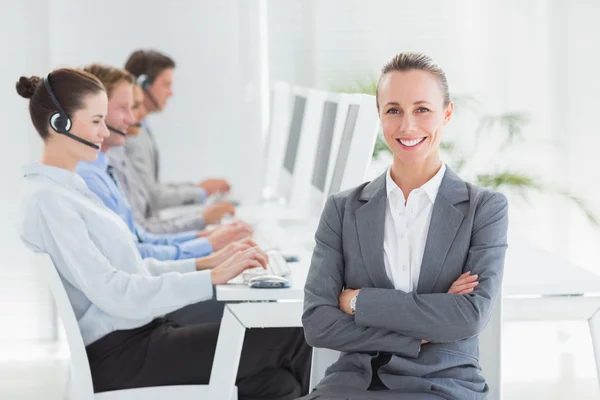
<point x="101" y="162"/>
<point x="431" y="187"/>
<point x="59" y="175"/>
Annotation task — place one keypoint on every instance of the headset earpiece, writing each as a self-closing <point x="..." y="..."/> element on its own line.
<point x="59" y="123"/>
<point x="143" y="81"/>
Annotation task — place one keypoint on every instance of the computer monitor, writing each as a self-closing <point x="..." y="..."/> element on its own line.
<point x="344" y="149"/>
<point x="323" y="151"/>
<point x="356" y="147"/>
<point x="295" y="128"/>
<point x="314" y="131"/>
<point x="291" y="151"/>
<point x="332" y="127"/>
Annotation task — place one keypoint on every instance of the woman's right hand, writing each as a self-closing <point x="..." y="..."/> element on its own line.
<point x="250" y="258"/>
<point x="465" y="284"/>
<point x="219" y="257"/>
<point x="224" y="235"/>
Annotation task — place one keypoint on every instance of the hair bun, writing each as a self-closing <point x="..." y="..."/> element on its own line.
<point x="26" y="86"/>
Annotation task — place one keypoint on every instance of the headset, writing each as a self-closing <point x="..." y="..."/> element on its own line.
<point x="145" y="82"/>
<point x="60" y="121"/>
<point x="115" y="130"/>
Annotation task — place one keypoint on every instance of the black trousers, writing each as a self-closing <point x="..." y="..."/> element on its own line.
<point x="275" y="362"/>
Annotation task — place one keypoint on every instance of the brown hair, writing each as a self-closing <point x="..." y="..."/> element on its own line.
<point x="70" y="86"/>
<point x="409" y="60"/>
<point x="148" y="62"/>
<point x="109" y="76"/>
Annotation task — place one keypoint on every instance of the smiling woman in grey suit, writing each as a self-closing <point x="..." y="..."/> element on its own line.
<point x="407" y="268"/>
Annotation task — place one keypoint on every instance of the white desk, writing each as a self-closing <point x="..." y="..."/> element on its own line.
<point x="261" y="308"/>
<point x="538" y="286"/>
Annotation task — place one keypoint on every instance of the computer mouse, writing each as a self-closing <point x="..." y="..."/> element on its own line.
<point x="290" y="258"/>
<point x="268" y="282"/>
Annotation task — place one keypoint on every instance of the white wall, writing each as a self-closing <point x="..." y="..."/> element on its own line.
<point x="25" y="308"/>
<point x="212" y="124"/>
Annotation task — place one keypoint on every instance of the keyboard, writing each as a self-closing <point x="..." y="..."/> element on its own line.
<point x="277" y="266"/>
<point x="263" y="240"/>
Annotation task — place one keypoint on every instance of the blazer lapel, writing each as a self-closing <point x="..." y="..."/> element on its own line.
<point x="446" y="220"/>
<point x="370" y="220"/>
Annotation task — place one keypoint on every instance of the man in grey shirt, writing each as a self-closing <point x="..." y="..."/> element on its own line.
<point x="154" y="74"/>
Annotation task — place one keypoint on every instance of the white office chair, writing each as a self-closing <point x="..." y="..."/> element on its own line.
<point x="80" y="382"/>
<point x="489" y="356"/>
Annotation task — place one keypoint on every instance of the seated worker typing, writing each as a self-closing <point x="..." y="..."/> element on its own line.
<point x="407" y="268"/>
<point x="154" y="72"/>
<point x="119" y="299"/>
<point x="100" y="180"/>
<point x="132" y="185"/>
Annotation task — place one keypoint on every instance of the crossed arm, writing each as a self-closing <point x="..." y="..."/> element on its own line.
<point x="385" y="316"/>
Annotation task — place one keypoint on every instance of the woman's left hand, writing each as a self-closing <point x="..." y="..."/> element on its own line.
<point x="345" y="298"/>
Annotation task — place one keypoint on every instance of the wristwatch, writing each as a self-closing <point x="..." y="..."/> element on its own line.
<point x="353" y="304"/>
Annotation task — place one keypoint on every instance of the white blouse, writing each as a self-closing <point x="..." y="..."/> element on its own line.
<point x="406" y="228"/>
<point x="109" y="285"/>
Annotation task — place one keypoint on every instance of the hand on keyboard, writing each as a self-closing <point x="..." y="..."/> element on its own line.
<point x="215" y="186"/>
<point x="277" y="266"/>
<point x="213" y="213"/>
<point x="219" y="257"/>
<point x="226" y="234"/>
<point x="238" y="263"/>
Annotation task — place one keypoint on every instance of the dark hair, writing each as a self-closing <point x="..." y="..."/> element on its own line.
<point x="148" y="62"/>
<point x="409" y="60"/>
<point x="109" y="76"/>
<point x="70" y="86"/>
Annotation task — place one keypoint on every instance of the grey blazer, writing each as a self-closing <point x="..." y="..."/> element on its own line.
<point x="143" y="154"/>
<point x="139" y="199"/>
<point x="467" y="233"/>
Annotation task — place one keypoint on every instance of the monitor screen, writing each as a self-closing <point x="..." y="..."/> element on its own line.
<point x="324" y="146"/>
<point x="294" y="135"/>
<point x="342" y="158"/>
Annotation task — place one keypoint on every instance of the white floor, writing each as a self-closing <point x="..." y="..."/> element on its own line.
<point x="542" y="360"/>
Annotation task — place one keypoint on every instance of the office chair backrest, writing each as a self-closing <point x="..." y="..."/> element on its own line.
<point x="81" y="385"/>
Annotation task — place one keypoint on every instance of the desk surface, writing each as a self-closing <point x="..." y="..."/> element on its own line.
<point x="529" y="271"/>
<point x="294" y="241"/>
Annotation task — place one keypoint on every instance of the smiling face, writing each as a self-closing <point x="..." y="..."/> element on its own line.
<point x="120" y="115"/>
<point x="88" y="124"/>
<point x="412" y="114"/>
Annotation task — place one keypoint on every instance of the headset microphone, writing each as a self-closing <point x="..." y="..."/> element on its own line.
<point x="60" y="121"/>
<point x="145" y="84"/>
<point x="110" y="128"/>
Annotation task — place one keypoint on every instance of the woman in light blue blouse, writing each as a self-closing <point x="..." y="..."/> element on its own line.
<point x="118" y="298"/>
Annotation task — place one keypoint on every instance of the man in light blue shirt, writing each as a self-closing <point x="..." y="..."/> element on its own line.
<point x="99" y="179"/>
<point x="173" y="246"/>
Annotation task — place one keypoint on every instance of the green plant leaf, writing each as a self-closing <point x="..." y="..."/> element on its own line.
<point x="511" y="123"/>
<point x="380" y="146"/>
<point x="523" y="184"/>
<point x="509" y="180"/>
